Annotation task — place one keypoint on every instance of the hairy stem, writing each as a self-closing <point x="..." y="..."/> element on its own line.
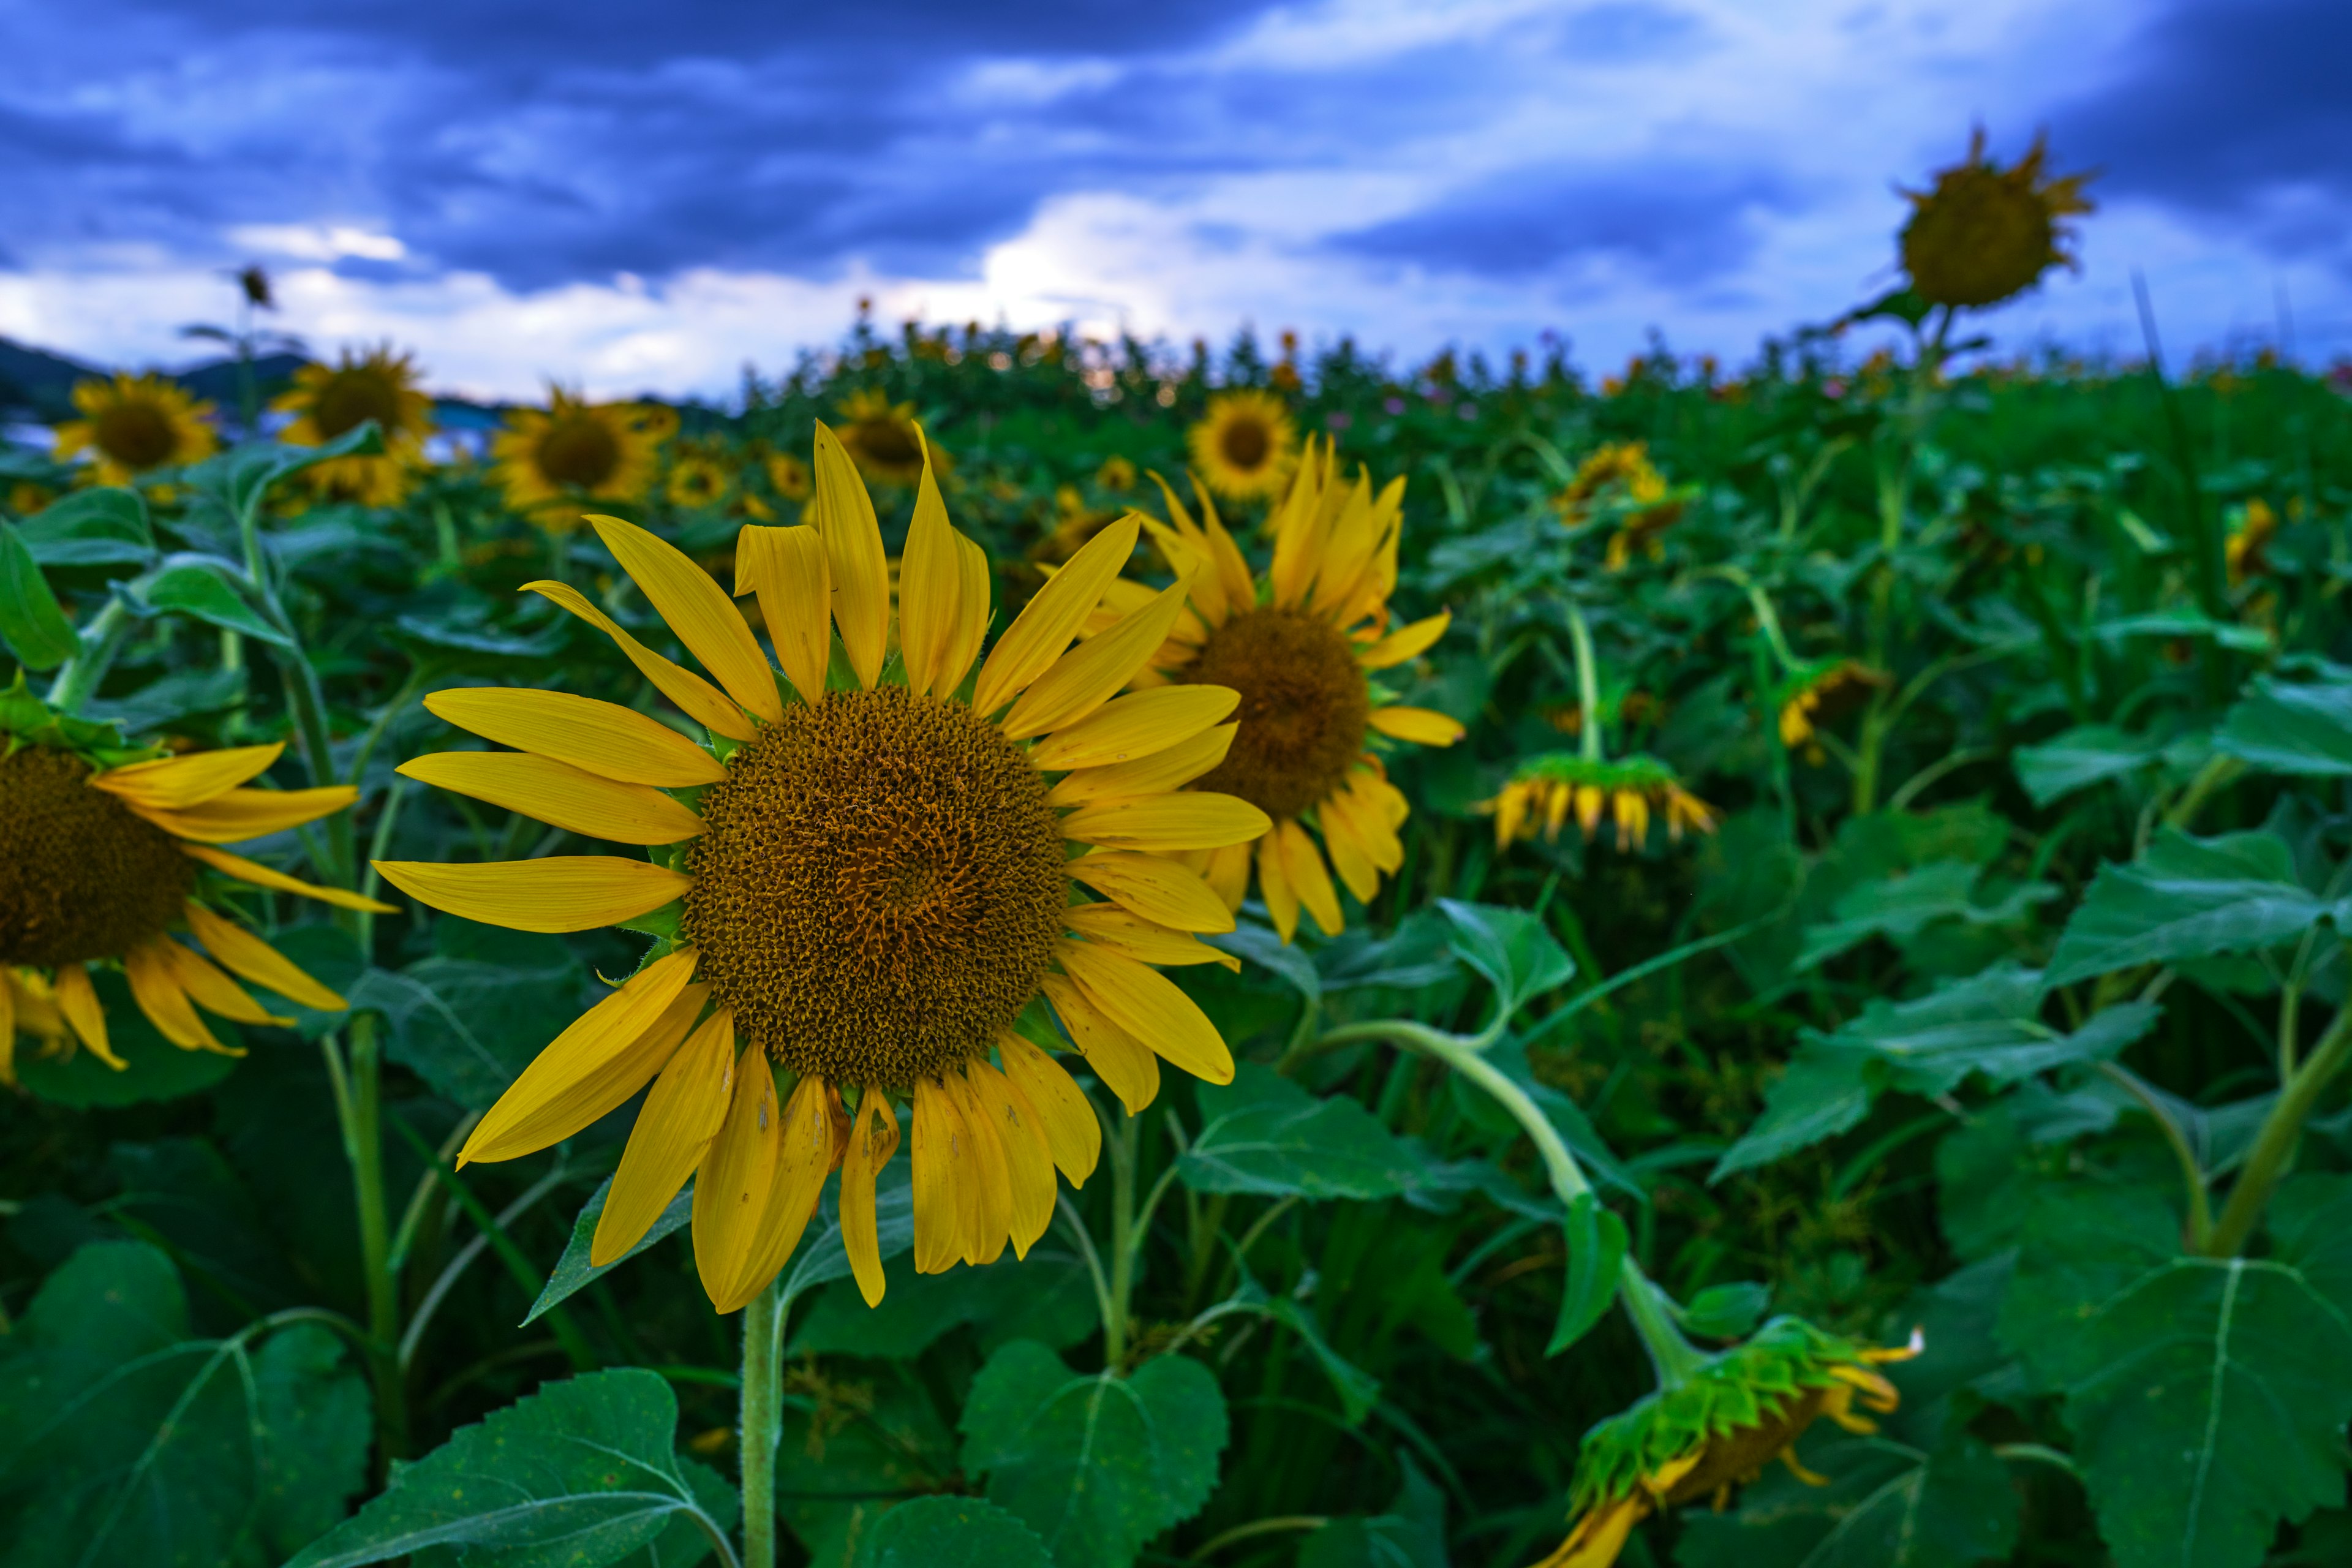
<point x="761" y="1406"/>
<point x="2274" y="1152"/>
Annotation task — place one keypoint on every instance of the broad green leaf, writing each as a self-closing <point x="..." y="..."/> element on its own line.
<point x="953" y="1532"/>
<point x="1901" y="906"/>
<point x="2283" y="726"/>
<point x="467" y="1024"/>
<point x="580" y="1474"/>
<point x="34" y="627"/>
<point x="90" y="528"/>
<point x="2186" y="898"/>
<point x="241" y="477"/>
<point x="1822" y="1094"/>
<point x="1261" y="946"/>
<point x="153" y="1069"/>
<point x="1411" y="1534"/>
<point x="1047" y="1296"/>
<point x="2310" y="1221"/>
<point x="836" y="1478"/>
<point x="1596" y="1242"/>
<point x="1512" y="948"/>
<point x="202" y="589"/>
<point x="1886" y="1506"/>
<point x="1358" y="1390"/>
<point x="573" y="1272"/>
<point x="2182" y="623"/>
<point x="189" y="693"/>
<point x="2083" y="756"/>
<point x="1727" y="1311"/>
<point x="1096" y="1464"/>
<point x="1261" y="1133"/>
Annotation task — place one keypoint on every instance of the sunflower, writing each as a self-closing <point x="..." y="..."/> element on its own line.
<point x="1543" y="790"/>
<point x="135" y="423"/>
<point x="1982" y="232"/>
<point x="789" y="475"/>
<point x="1737" y="1413"/>
<point x="1821" y="693"/>
<point x="866" y="881"/>
<point x="326" y="403"/>
<point x="1300" y="647"/>
<point x="1116" y="474"/>
<point x="107" y="850"/>
<point x="883" y="439"/>
<point x="1619" y="480"/>
<point x="1245" y="445"/>
<point x="2251" y="529"/>
<point x="696" y="481"/>
<point x="572" y="450"/>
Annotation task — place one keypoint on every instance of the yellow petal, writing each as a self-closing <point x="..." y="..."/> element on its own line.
<point x="208" y="988"/>
<point x="242" y="953"/>
<point x="1084" y="678"/>
<point x="559" y="893"/>
<point x="731" y="1186"/>
<point x="1146" y="1004"/>
<point x="988" y="1206"/>
<point x="1302" y="865"/>
<point x="1047" y="623"/>
<point x="1228" y="875"/>
<point x="604" y="738"/>
<point x="1345" y="836"/>
<point x="972" y="628"/>
<point x="1407" y="642"/>
<point x="166" y="1006"/>
<point x="696" y="697"/>
<point x="795" y="580"/>
<point x="698" y="611"/>
<point x="1028" y="1163"/>
<point x="607" y="1055"/>
<point x="1192" y="820"/>
<point x="1239" y="589"/>
<point x="682" y="1114"/>
<point x="175" y="784"/>
<point x="1421" y="726"/>
<point x="1123" y="1062"/>
<point x="805" y="1154"/>
<point x="843" y="513"/>
<point x="1160" y="890"/>
<point x="1140" y="939"/>
<point x="938" y="1231"/>
<point x="559" y="794"/>
<point x="875" y="1139"/>
<point x="260" y="875"/>
<point x="77" y="1000"/>
<point x="1064" y="1115"/>
<point x="1157" y="773"/>
<point x="8" y="1030"/>
<point x="242" y="813"/>
<point x="1274" y="886"/>
<point x="931" y="587"/>
<point x="1135" y="726"/>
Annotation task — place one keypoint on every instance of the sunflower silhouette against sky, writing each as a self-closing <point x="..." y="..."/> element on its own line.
<point x="875" y="879"/>
<point x="135" y="423"/>
<point x="106" y="851"/>
<point x="1981" y="233"/>
<point x="574" y="450"/>
<point x="1245" y="445"/>
<point x="1301" y="645"/>
<point x="329" y="400"/>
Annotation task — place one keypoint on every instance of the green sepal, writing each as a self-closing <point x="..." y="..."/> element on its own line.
<point x="27" y="721"/>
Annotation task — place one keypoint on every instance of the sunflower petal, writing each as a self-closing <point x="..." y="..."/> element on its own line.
<point x="1160" y="890"/>
<point x="1406" y="642"/>
<point x="733" y="1183"/>
<point x="559" y="794"/>
<point x="1141" y="939"/>
<point x="241" y="813"/>
<point x="1128" y="728"/>
<point x="1309" y="877"/>
<point x="175" y="784"/>
<point x="1211" y="595"/>
<point x="695" y="697"/>
<point x="806" y="1151"/>
<point x="1421" y="726"/>
<point x="1344" y="835"/>
<point x="77" y="1000"/>
<point x="559" y="893"/>
<point x="875" y="1139"/>
<point x="1191" y="820"/>
<point x="240" y="952"/>
<point x="261" y="875"/>
<point x="939" y="1230"/>
<point x="608" y="740"/>
<point x="1227" y="874"/>
<point x="1274" y="886"/>
<point x="1072" y="1132"/>
<point x="1157" y="773"/>
<point x="1123" y="1062"/>
<point x="1044" y="626"/>
<point x="682" y="1114"/>
<point x="989" y="1223"/>
<point x="930" y="586"/>
<point x="1146" y="1004"/>
<point x="1084" y="678"/>
<point x="1028" y="1163"/>
<point x="699" y="610"/>
<point x="166" y="1006"/>
<point x="844" y="514"/>
<point x="789" y="571"/>
<point x="216" y="993"/>
<point x="972" y="628"/>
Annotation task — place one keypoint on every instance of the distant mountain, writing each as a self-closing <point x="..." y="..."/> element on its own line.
<point x="36" y="384"/>
<point x="217" y="379"/>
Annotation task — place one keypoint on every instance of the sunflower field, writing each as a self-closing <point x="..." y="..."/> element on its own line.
<point x="1022" y="951"/>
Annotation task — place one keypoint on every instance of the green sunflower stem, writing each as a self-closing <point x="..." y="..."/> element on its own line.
<point x="358" y="1079"/>
<point x="761" y="1406"/>
<point x="101" y="640"/>
<point x="1587" y="686"/>
<point x="2273" y="1155"/>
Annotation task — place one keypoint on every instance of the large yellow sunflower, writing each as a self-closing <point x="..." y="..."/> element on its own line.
<point x="871" y="881"/>
<point x="574" y="450"/>
<point x="1245" y="445"/>
<point x="1300" y="646"/>
<point x="103" y="864"/>
<point x="134" y="423"/>
<point x="1983" y="233"/>
<point x="326" y="401"/>
<point x="882" y="437"/>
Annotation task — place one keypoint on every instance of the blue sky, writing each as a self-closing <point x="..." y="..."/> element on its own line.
<point x="631" y="197"/>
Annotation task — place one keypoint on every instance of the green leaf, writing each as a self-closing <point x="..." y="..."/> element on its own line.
<point x="90" y="528"/>
<point x="1265" y="1134"/>
<point x="835" y="1477"/>
<point x="580" y="1474"/>
<point x="153" y="1069"/>
<point x="34" y="627"/>
<point x="1596" y="1241"/>
<point x="2083" y="756"/>
<point x="1047" y="1296"/>
<point x="468" y="1025"/>
<point x="1822" y="1094"/>
<point x="204" y="589"/>
<point x="1262" y="947"/>
<point x="1412" y="1534"/>
<point x="953" y="1532"/>
<point x="241" y="477"/>
<point x="574" y="1273"/>
<point x="1902" y="905"/>
<point x="1096" y="1465"/>
<point x="1727" y="1311"/>
<point x="2283" y="726"/>
<point x="1358" y="1390"/>
<point x="2186" y="898"/>
<point x="1886" y="1506"/>
<point x="1512" y="948"/>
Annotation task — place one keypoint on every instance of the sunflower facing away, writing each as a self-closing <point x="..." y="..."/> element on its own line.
<point x="869" y="882"/>
<point x="1819" y="694"/>
<point x="1245" y="445"/>
<point x="134" y="423"/>
<point x="1300" y="646"/>
<point x="327" y="401"/>
<point x="1619" y="480"/>
<point x="1545" y="789"/>
<point x="106" y="851"/>
<point x="574" y="450"/>
<point x="882" y="440"/>
<point x="1983" y="233"/>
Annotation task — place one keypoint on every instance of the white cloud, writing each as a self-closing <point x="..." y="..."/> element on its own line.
<point x="316" y="242"/>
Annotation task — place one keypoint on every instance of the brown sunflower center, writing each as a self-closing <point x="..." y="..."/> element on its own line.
<point x="890" y="442"/>
<point x="579" y="450"/>
<point x="1980" y="237"/>
<point x="879" y="887"/>
<point x="350" y="396"/>
<point x="1303" y="712"/>
<point x="1245" y="442"/>
<point x="82" y="875"/>
<point x="137" y="434"/>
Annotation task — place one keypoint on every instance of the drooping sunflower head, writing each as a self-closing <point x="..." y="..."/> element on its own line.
<point x="1981" y="233"/>
<point x="106" y="852"/>
<point x="1738" y="1411"/>
<point x="1819" y="694"/>
<point x="1618" y="481"/>
<point x="875" y="881"/>
<point x="328" y="401"/>
<point x="882" y="437"/>
<point x="1245" y="445"/>
<point x="132" y="424"/>
<point x="1544" y="791"/>
<point x="549" y="460"/>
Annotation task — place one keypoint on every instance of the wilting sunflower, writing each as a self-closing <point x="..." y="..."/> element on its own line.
<point x="106" y="851"/>
<point x="882" y="439"/>
<point x="1821" y="693"/>
<point x="696" y="481"/>
<point x="1544" y="790"/>
<point x="868" y="883"/>
<point x="1245" y="445"/>
<point x="1300" y="647"/>
<point x="1983" y="233"/>
<point x="328" y="401"/>
<point x="1735" y="1413"/>
<point x="134" y="423"/>
<point x="570" y="451"/>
